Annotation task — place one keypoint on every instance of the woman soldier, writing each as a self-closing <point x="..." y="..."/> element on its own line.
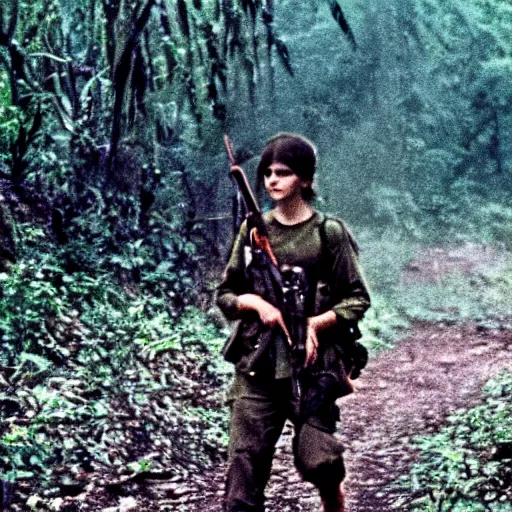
<point x="264" y="392"/>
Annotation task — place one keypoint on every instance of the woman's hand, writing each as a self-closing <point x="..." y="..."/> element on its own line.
<point x="311" y="344"/>
<point x="269" y="314"/>
<point x="315" y="325"/>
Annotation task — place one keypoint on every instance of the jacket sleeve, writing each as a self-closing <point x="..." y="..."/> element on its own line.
<point x="234" y="281"/>
<point x="349" y="293"/>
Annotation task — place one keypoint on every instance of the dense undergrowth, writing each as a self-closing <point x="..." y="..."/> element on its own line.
<point x="103" y="377"/>
<point x="101" y="384"/>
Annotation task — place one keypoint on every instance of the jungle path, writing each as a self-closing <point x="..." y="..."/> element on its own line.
<point x="404" y="392"/>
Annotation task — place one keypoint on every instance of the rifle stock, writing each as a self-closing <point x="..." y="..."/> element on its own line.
<point x="257" y="228"/>
<point x="238" y="175"/>
<point x="243" y="185"/>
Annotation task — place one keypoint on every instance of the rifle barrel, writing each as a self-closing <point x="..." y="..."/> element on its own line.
<point x="229" y="150"/>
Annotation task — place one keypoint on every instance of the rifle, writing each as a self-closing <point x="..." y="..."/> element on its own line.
<point x="286" y="288"/>
<point x="257" y="228"/>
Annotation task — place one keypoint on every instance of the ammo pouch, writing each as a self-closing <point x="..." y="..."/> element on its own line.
<point x="340" y="359"/>
<point x="250" y="347"/>
<point x="345" y="335"/>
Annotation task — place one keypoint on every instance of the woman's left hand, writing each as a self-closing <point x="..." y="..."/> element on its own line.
<point x="311" y="345"/>
<point x="315" y="325"/>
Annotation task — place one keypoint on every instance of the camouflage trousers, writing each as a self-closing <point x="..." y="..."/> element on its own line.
<point x="259" y="410"/>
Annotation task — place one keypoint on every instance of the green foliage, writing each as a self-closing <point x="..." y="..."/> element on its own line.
<point x="28" y="451"/>
<point x="69" y="400"/>
<point x="467" y="466"/>
<point x="463" y="211"/>
<point x="114" y="99"/>
<point x="29" y="307"/>
<point x="392" y="209"/>
<point x="9" y="121"/>
<point x="25" y="453"/>
<point x="73" y="341"/>
<point x="382" y="326"/>
<point x="140" y="466"/>
<point x="384" y="255"/>
<point x="48" y="312"/>
<point x="192" y="328"/>
<point x="498" y="221"/>
<point x="214" y="425"/>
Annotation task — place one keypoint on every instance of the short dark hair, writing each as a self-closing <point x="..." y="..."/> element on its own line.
<point x="295" y="151"/>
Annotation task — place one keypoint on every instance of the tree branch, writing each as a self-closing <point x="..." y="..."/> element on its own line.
<point x="121" y="74"/>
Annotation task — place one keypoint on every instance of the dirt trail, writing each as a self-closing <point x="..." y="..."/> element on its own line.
<point x="403" y="393"/>
<point x="410" y="391"/>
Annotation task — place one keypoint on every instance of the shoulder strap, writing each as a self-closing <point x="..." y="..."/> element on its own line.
<point x="326" y="255"/>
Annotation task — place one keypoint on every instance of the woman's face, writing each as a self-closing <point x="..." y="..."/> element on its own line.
<point x="282" y="183"/>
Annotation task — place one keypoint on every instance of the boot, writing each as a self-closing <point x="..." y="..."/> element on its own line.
<point x="334" y="501"/>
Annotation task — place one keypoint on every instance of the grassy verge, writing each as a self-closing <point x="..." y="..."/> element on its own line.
<point x="483" y="295"/>
<point x="467" y="466"/>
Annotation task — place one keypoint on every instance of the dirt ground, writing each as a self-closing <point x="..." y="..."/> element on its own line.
<point x="403" y="393"/>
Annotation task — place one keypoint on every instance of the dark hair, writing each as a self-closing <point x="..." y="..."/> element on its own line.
<point x="295" y="151"/>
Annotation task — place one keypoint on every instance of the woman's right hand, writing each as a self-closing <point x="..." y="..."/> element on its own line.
<point x="269" y="314"/>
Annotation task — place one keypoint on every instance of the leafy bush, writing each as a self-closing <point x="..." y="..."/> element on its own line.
<point x="24" y="453"/>
<point x="384" y="256"/>
<point x="192" y="328"/>
<point x="48" y="312"/>
<point x="76" y="407"/>
<point x="9" y="122"/>
<point x="391" y="209"/>
<point x="462" y="211"/>
<point x="467" y="466"/>
<point x="382" y="325"/>
<point x="30" y="305"/>
<point x="215" y="425"/>
<point x="452" y="212"/>
<point x="497" y="222"/>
